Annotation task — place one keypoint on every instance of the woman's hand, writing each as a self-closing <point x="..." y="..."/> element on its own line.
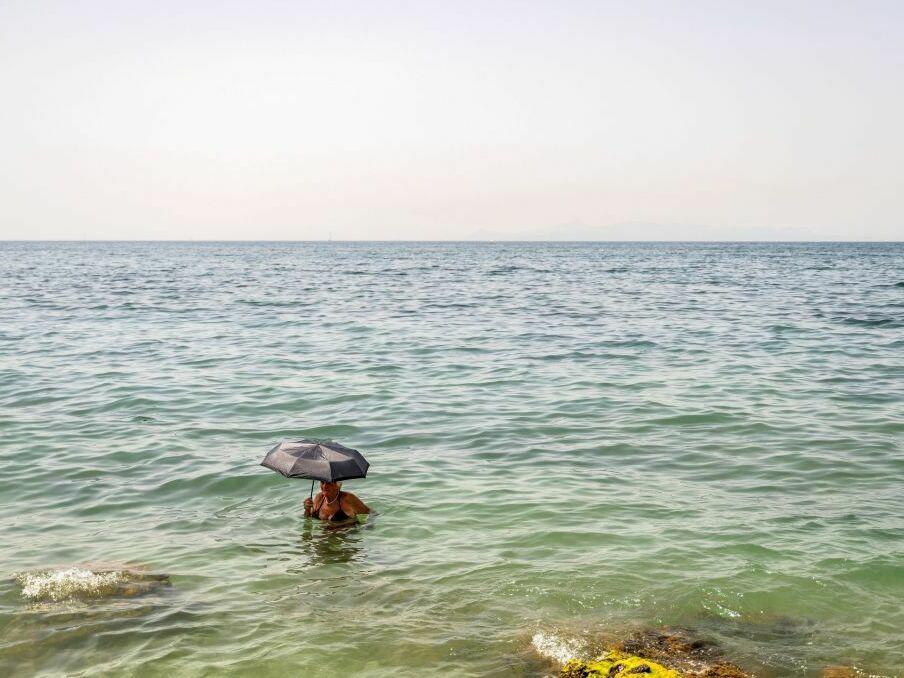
<point x="308" y="506"/>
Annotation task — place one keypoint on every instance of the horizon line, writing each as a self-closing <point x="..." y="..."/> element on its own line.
<point x="468" y="241"/>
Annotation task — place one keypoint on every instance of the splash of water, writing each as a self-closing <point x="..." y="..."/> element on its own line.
<point x="557" y="648"/>
<point x="56" y="585"/>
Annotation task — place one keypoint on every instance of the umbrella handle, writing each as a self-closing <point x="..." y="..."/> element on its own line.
<point x="312" y="490"/>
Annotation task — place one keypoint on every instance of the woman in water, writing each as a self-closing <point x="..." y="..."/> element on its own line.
<point x="333" y="505"/>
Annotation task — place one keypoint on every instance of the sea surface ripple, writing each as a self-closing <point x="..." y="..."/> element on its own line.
<point x="564" y="438"/>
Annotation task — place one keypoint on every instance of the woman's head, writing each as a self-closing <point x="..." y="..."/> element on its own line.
<point x="330" y="490"/>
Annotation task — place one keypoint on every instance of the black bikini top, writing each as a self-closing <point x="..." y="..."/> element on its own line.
<point x="337" y="516"/>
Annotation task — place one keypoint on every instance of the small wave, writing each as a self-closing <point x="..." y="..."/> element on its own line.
<point x="557" y="648"/>
<point x="870" y="322"/>
<point x="65" y="584"/>
<point x="693" y="419"/>
<point x="292" y="303"/>
<point x="501" y="270"/>
<point x="452" y="305"/>
<point x="74" y="583"/>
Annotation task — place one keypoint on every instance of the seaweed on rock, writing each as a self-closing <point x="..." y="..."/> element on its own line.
<point x="659" y="653"/>
<point x="616" y="663"/>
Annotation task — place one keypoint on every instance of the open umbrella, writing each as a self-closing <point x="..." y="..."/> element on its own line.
<point x="326" y="461"/>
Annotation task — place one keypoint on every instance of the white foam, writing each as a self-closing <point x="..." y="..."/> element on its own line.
<point x="58" y="585"/>
<point x="557" y="648"/>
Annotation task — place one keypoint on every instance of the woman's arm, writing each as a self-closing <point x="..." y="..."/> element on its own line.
<point x="357" y="505"/>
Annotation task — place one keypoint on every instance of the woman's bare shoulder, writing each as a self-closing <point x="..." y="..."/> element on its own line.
<point x="353" y="500"/>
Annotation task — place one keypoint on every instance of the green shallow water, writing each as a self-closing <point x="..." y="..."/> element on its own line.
<point x="564" y="439"/>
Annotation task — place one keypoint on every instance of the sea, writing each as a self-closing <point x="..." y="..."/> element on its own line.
<point x="568" y="441"/>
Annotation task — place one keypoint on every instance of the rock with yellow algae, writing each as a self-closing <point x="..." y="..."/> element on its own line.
<point x="617" y="664"/>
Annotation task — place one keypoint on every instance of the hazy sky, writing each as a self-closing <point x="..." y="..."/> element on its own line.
<point x="452" y="120"/>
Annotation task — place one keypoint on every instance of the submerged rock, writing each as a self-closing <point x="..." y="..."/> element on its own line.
<point x="839" y="672"/>
<point x="683" y="650"/>
<point x="664" y="652"/>
<point x="88" y="581"/>
<point x="670" y="643"/>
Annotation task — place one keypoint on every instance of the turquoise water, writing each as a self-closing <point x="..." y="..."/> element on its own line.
<point x="566" y="439"/>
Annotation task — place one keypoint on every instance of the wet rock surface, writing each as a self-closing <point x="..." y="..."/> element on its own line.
<point x="669" y="652"/>
<point x="659" y="652"/>
<point x="616" y="663"/>
<point x="684" y="650"/>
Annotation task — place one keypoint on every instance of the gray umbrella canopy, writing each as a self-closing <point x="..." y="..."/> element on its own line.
<point x="326" y="461"/>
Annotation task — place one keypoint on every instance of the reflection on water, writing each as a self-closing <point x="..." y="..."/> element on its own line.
<point x="334" y="543"/>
